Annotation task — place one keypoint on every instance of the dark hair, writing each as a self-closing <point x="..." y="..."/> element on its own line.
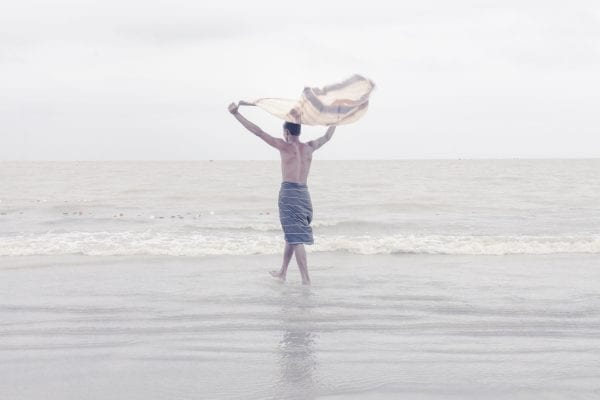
<point x="292" y="127"/>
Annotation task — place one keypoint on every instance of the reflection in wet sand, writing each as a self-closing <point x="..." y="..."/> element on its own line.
<point x="296" y="352"/>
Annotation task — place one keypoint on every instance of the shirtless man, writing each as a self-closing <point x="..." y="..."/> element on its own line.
<point x="295" y="208"/>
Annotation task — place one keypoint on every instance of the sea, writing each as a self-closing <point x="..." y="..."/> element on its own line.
<point x="432" y="279"/>
<point x="207" y="208"/>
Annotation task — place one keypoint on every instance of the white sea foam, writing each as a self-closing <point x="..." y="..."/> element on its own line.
<point x="231" y="243"/>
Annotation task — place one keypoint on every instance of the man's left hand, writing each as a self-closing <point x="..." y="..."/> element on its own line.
<point x="233" y="108"/>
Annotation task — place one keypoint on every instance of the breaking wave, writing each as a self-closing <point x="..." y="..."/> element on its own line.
<point x="177" y="243"/>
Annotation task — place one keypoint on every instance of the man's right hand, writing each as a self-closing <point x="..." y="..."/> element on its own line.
<point x="233" y="108"/>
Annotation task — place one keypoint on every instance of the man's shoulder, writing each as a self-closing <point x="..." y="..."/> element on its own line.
<point x="306" y="146"/>
<point x="310" y="145"/>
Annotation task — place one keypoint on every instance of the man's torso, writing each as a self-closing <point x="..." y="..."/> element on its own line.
<point x="295" y="162"/>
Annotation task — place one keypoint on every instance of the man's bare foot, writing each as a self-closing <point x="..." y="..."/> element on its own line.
<point x="277" y="274"/>
<point x="306" y="282"/>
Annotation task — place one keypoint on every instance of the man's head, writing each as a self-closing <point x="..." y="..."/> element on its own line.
<point x="291" y="128"/>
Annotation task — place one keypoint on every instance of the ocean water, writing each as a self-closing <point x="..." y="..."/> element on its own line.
<point x="477" y="207"/>
<point x="430" y="280"/>
<point x="408" y="326"/>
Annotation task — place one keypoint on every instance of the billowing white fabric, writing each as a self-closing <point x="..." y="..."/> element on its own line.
<point x="337" y="104"/>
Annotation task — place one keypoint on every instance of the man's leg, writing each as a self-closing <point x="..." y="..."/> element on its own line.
<point x="302" y="264"/>
<point x="288" y="251"/>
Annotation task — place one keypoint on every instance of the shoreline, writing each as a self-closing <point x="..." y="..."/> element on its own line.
<point x="374" y="327"/>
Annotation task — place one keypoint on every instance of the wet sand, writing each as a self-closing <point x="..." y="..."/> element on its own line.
<point x="370" y="327"/>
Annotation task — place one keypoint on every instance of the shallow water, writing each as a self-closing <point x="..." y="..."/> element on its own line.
<point x="369" y="327"/>
<point x="431" y="279"/>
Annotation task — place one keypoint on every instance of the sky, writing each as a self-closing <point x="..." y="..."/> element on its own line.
<point x="151" y="80"/>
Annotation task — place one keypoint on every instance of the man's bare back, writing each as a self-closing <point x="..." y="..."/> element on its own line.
<point x="296" y="158"/>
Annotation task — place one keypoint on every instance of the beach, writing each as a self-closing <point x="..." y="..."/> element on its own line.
<point x="430" y="168"/>
<point x="414" y="326"/>
<point x="461" y="279"/>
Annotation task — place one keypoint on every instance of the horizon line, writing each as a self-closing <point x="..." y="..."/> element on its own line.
<point x="328" y="159"/>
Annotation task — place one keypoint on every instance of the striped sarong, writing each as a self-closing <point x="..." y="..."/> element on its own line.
<point x="295" y="213"/>
<point x="337" y="104"/>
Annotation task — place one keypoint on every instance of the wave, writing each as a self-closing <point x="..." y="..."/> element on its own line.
<point x="177" y="243"/>
<point x="276" y="226"/>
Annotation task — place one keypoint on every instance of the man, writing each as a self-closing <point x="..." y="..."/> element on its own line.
<point x="295" y="207"/>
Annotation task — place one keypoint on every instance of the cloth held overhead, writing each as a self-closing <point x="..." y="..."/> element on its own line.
<point x="337" y="104"/>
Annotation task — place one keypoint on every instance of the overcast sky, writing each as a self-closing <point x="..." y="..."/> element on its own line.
<point x="151" y="80"/>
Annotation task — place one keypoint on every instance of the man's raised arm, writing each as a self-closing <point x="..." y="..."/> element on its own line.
<point x="317" y="143"/>
<point x="271" y="141"/>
